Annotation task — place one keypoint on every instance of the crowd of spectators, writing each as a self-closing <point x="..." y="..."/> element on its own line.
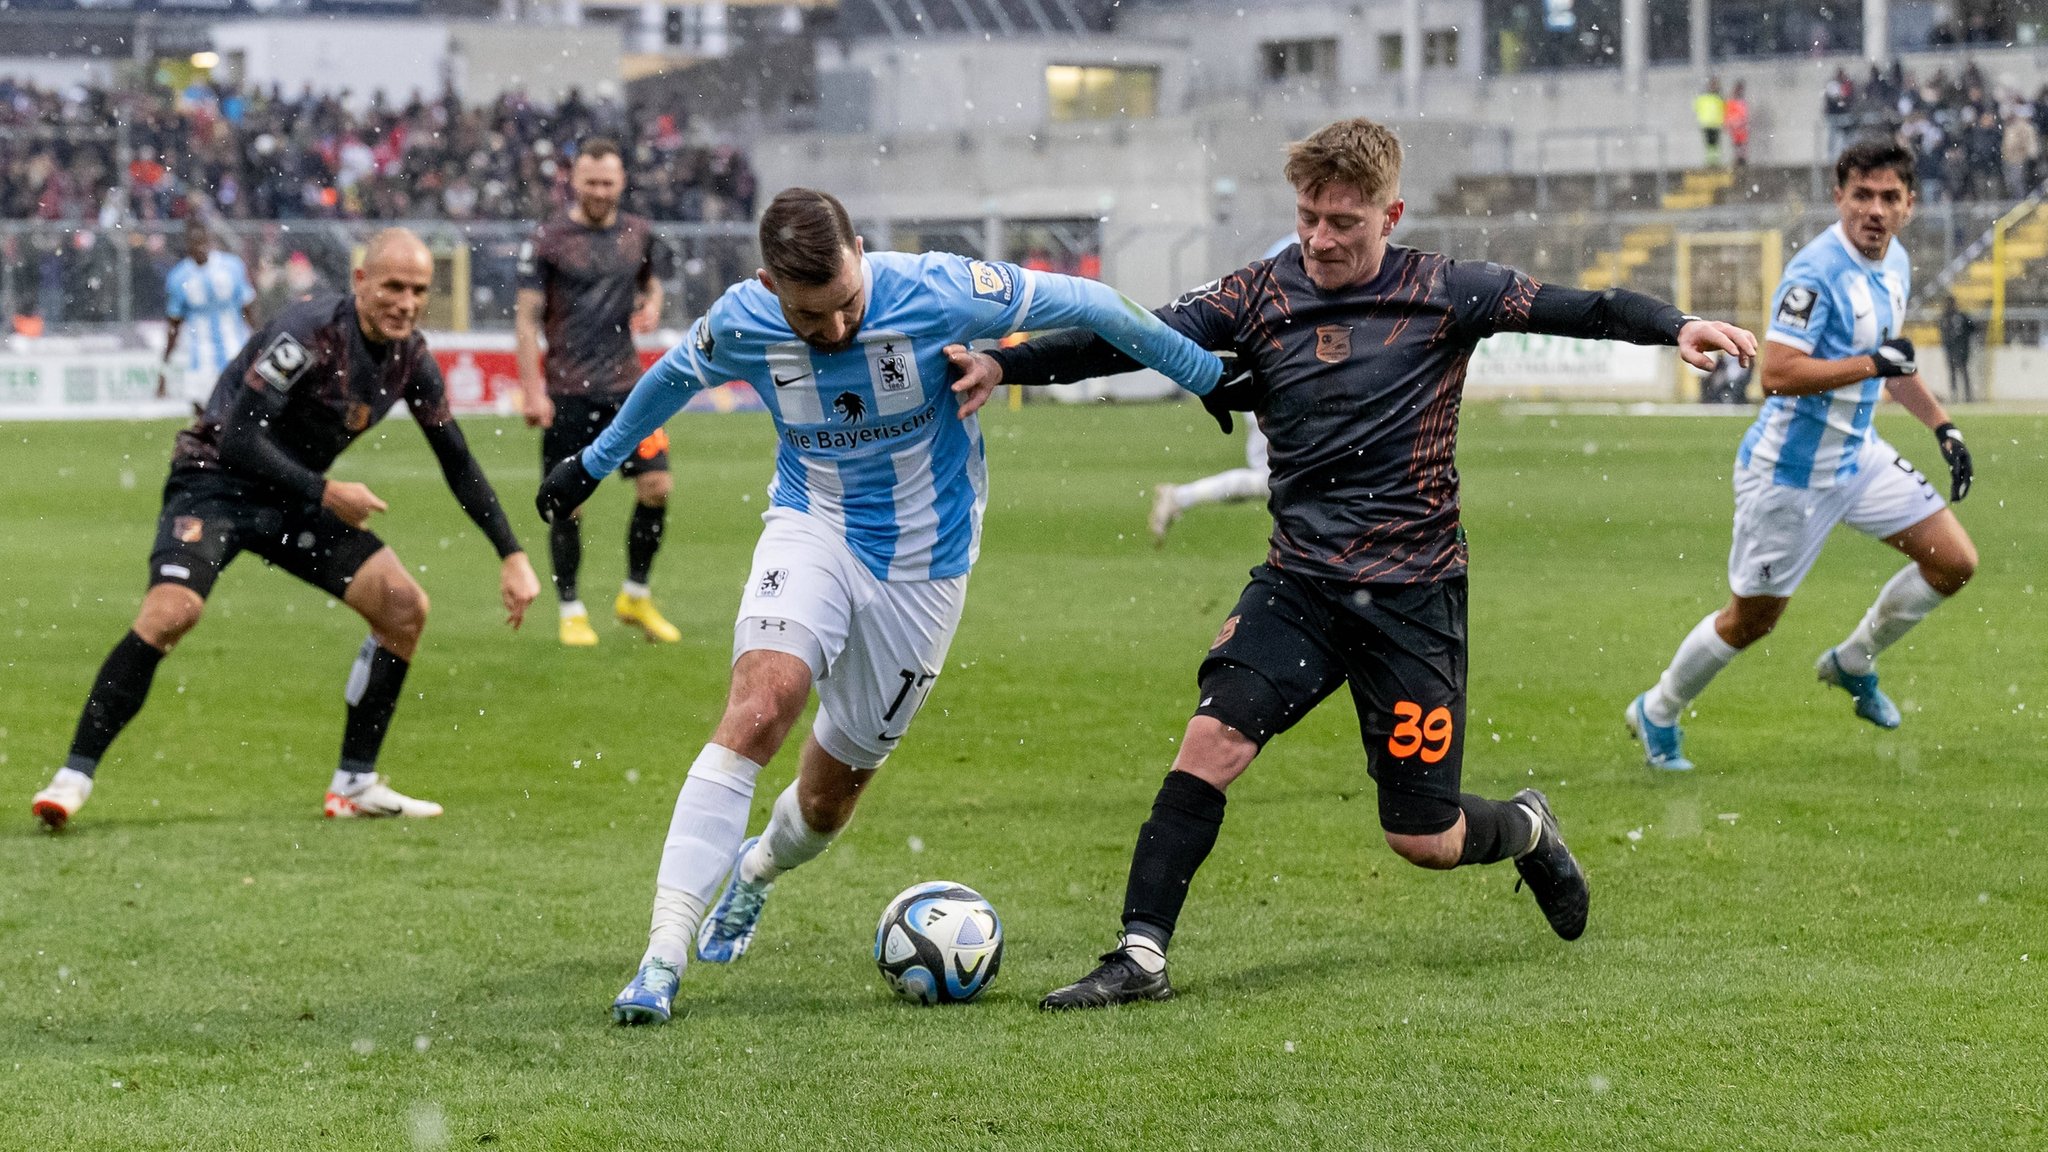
<point x="1970" y="141"/>
<point x="269" y="155"/>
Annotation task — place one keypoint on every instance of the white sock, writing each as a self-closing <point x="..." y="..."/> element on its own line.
<point x="1700" y="657"/>
<point x="1236" y="484"/>
<point x="637" y="591"/>
<point x="1149" y="953"/>
<point x="789" y="840"/>
<point x="347" y="783"/>
<point x="709" y="822"/>
<point x="573" y="608"/>
<point x="1906" y="600"/>
<point x="74" y="778"/>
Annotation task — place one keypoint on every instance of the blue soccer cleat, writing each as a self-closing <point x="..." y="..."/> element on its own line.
<point x="1660" y="741"/>
<point x="646" y="1000"/>
<point x="1871" y="704"/>
<point x="730" y="927"/>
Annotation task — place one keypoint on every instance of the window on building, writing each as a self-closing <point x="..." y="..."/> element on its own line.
<point x="1390" y="52"/>
<point x="1093" y="92"/>
<point x="1301" y="61"/>
<point x="1440" y="48"/>
<point x="1524" y="35"/>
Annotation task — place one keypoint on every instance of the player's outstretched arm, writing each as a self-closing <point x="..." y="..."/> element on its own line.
<point x="1790" y="371"/>
<point x="1069" y="301"/>
<point x="1619" y="314"/>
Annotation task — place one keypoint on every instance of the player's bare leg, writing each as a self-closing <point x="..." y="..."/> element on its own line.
<point x="386" y="596"/>
<point x="168" y="612"/>
<point x="767" y="697"/>
<point x="635" y="604"/>
<point x="1943" y="561"/>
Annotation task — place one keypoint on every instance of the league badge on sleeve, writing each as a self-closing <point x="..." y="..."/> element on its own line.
<point x="283" y="362"/>
<point x="1796" y="310"/>
<point x="992" y="281"/>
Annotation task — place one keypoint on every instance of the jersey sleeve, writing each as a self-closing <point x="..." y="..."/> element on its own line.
<point x="1487" y="298"/>
<point x="661" y="393"/>
<point x="998" y="299"/>
<point x="1800" y="311"/>
<point x="174" y="296"/>
<point x="533" y="263"/>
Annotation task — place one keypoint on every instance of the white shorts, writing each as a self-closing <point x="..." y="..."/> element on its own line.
<point x="1779" y="529"/>
<point x="874" y="647"/>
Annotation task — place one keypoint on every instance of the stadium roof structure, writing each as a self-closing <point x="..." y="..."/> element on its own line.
<point x="904" y="19"/>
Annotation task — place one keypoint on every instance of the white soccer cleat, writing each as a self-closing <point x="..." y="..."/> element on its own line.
<point x="1165" y="510"/>
<point x="378" y="799"/>
<point x="58" y="803"/>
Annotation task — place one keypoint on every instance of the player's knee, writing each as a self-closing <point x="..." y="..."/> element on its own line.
<point x="404" y="614"/>
<point x="1741" y="627"/>
<point x="1948" y="573"/>
<point x="826" y="813"/>
<point x="1439" y="850"/>
<point x="169" y="611"/>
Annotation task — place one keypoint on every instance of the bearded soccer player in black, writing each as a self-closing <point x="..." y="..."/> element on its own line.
<point x="1355" y="354"/>
<point x="248" y="475"/>
<point x="591" y="277"/>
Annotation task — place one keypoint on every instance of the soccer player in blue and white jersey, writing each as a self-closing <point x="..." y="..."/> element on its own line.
<point x="874" y="520"/>
<point x="208" y="292"/>
<point x="1812" y="459"/>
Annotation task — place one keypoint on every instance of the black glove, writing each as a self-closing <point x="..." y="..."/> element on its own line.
<point x="1238" y="391"/>
<point x="1960" y="470"/>
<point x="1895" y="357"/>
<point x="565" y="489"/>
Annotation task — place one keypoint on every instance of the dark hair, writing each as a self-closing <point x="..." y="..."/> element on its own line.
<point x="597" y="148"/>
<point x="1872" y="156"/>
<point x="805" y="235"/>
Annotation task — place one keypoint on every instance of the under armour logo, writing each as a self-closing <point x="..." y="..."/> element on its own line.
<point x="778" y="625"/>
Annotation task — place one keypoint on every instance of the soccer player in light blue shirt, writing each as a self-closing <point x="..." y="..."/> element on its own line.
<point x="874" y="520"/>
<point x="209" y="293"/>
<point x="1812" y="459"/>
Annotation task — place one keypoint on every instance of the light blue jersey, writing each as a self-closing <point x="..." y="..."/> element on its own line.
<point x="209" y="299"/>
<point x="871" y="440"/>
<point x="1832" y="304"/>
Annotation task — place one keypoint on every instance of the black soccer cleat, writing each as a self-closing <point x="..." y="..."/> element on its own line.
<point x="1117" y="980"/>
<point x="1553" y="876"/>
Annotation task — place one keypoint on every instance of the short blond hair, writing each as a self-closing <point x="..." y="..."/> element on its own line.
<point x="1359" y="153"/>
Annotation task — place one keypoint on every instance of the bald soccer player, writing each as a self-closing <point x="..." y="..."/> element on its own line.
<point x="249" y="475"/>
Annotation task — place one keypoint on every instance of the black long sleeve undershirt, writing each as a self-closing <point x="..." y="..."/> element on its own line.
<point x="466" y="479"/>
<point x="247" y="449"/>
<point x="1073" y="354"/>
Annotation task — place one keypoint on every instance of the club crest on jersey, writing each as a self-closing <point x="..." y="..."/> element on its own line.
<point x="283" y="362"/>
<point x="991" y="281"/>
<point x="1796" y="311"/>
<point x="771" y="582"/>
<point x="1223" y="637"/>
<point x="892" y="370"/>
<point x="358" y="417"/>
<point x="850" y="407"/>
<point x="1333" y="343"/>
<point x="188" y="529"/>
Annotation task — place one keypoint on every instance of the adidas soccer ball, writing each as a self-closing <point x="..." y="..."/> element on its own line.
<point x="939" y="943"/>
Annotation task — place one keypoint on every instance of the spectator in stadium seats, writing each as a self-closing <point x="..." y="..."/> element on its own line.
<point x="1958" y="333"/>
<point x="2021" y="147"/>
<point x="1710" y="109"/>
<point x="1836" y="99"/>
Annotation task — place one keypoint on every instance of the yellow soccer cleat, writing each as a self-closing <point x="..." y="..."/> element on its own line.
<point x="577" y="632"/>
<point x="640" y="612"/>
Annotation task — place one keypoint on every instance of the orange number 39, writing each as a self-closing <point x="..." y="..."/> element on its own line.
<point x="1415" y="733"/>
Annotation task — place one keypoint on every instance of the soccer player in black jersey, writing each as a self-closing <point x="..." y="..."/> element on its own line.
<point x="1355" y="353"/>
<point x="589" y="278"/>
<point x="248" y="475"/>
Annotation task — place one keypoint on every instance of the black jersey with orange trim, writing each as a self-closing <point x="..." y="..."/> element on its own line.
<point x="590" y="278"/>
<point x="1360" y="395"/>
<point x="328" y="383"/>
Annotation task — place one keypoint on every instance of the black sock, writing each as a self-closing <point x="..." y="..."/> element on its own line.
<point x="643" y="540"/>
<point x="117" y="695"/>
<point x="373" y="687"/>
<point x="565" y="548"/>
<point x="1494" y="829"/>
<point x="1186" y="816"/>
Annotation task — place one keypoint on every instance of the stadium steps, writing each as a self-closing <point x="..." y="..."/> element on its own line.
<point x="2025" y="245"/>
<point x="1699" y="189"/>
<point x="1617" y="267"/>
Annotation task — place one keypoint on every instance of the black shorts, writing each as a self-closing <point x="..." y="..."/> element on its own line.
<point x="578" y="422"/>
<point x="1292" y="640"/>
<point x="208" y="519"/>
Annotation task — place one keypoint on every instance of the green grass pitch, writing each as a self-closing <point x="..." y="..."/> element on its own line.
<point x="1827" y="937"/>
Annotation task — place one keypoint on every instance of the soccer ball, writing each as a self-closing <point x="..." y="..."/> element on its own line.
<point x="939" y="943"/>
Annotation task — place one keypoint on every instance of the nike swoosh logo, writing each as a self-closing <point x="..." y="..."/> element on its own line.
<point x="781" y="383"/>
